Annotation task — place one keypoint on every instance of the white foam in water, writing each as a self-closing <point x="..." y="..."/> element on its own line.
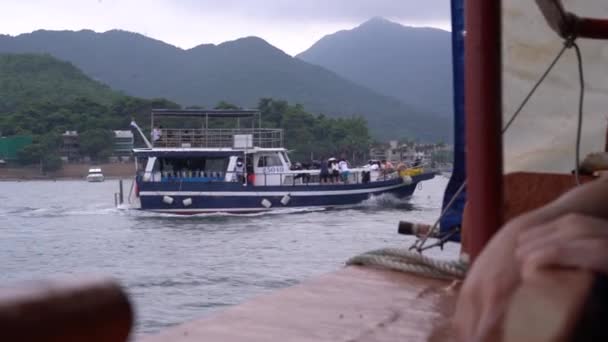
<point x="384" y="201"/>
<point x="281" y="211"/>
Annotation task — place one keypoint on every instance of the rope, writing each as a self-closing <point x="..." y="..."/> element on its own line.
<point x="403" y="260"/>
<point x="581" y="100"/>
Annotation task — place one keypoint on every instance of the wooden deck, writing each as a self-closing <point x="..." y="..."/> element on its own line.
<point x="353" y="304"/>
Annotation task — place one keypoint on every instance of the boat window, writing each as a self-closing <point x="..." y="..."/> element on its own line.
<point x="272" y="160"/>
<point x="193" y="167"/>
<point x="286" y="158"/>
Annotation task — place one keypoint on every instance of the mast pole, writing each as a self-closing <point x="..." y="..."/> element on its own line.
<point x="483" y="104"/>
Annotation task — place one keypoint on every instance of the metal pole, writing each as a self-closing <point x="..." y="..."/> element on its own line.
<point x="606" y="143"/>
<point x="483" y="104"/>
<point x="259" y="128"/>
<point x="121" y="195"/>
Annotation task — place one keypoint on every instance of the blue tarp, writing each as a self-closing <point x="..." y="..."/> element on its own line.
<point x="453" y="217"/>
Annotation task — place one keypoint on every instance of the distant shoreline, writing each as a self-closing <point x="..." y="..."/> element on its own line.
<point x="68" y="172"/>
<point x="55" y="179"/>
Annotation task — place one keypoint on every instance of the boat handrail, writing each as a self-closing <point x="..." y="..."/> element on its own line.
<point x="290" y="177"/>
<point x="219" y="137"/>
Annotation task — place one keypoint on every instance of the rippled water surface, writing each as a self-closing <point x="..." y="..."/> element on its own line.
<point x="178" y="268"/>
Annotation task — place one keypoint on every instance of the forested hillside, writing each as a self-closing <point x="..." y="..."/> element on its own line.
<point x="44" y="97"/>
<point x="239" y="72"/>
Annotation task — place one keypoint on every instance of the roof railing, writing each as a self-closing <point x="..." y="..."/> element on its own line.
<point x="220" y="138"/>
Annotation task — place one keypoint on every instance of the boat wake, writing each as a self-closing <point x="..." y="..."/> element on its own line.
<point x="282" y="211"/>
<point x="385" y="201"/>
<point x="56" y="211"/>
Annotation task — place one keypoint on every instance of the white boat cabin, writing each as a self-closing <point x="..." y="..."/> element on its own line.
<point x="245" y="153"/>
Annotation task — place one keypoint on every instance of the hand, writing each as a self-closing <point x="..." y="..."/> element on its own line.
<point x="488" y="286"/>
<point x="572" y="240"/>
<point x="497" y="271"/>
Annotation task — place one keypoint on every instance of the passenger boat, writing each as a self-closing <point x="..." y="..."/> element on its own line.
<point x="189" y="171"/>
<point x="95" y="175"/>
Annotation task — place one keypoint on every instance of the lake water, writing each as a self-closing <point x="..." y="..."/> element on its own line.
<point x="179" y="268"/>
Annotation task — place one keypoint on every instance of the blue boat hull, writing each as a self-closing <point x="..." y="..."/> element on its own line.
<point x="193" y="198"/>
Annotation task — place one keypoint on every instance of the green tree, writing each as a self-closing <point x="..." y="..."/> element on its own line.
<point x="30" y="154"/>
<point x="96" y="143"/>
<point x="225" y="105"/>
<point x="51" y="162"/>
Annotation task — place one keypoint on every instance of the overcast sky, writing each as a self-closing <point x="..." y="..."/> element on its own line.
<point x="291" y="25"/>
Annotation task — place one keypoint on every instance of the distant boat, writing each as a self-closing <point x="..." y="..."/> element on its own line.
<point x="189" y="171"/>
<point x="95" y="175"/>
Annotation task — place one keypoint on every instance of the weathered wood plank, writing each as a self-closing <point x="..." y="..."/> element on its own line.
<point x="353" y="304"/>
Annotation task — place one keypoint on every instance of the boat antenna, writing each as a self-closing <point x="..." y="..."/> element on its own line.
<point x="143" y="136"/>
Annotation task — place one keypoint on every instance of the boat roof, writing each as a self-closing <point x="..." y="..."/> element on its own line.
<point x="216" y="113"/>
<point x="192" y="152"/>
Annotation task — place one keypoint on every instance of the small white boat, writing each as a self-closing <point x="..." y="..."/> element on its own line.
<point x="95" y="175"/>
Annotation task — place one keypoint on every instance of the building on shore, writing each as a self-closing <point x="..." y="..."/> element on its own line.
<point x="70" y="146"/>
<point x="123" y="145"/>
<point x="395" y="152"/>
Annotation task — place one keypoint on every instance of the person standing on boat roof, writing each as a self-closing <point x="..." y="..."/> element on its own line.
<point x="156" y="133"/>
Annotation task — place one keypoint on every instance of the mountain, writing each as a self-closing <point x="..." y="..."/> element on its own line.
<point x="42" y="95"/>
<point x="40" y="78"/>
<point x="410" y="64"/>
<point x="239" y="72"/>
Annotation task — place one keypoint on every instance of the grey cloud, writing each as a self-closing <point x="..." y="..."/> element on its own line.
<point x="326" y="10"/>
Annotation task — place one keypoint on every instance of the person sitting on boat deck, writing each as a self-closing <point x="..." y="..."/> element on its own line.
<point x="324" y="172"/>
<point x="570" y="232"/>
<point x="344" y="171"/>
<point x="239" y="171"/>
